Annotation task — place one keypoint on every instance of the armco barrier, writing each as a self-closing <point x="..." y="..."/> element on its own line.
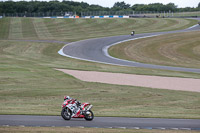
<point x="111" y="16"/>
<point x="62" y="17"/>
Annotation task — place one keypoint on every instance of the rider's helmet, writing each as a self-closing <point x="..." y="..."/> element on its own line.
<point x="66" y="97"/>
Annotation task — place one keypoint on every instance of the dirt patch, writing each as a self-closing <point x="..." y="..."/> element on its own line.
<point x="171" y="83"/>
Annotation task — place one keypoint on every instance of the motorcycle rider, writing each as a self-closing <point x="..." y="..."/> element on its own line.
<point x="77" y="103"/>
<point x="132" y="33"/>
<point x="67" y="98"/>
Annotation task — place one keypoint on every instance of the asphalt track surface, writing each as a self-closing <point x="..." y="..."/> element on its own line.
<point x="100" y="122"/>
<point x="96" y="50"/>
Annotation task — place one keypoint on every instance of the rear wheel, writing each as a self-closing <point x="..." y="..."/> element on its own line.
<point x="89" y="116"/>
<point x="66" y="114"/>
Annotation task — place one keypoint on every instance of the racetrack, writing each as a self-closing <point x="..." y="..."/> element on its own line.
<point x="96" y="50"/>
<point x="100" y="122"/>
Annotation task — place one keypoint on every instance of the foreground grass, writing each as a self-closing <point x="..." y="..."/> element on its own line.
<point x="180" y="49"/>
<point x="30" y="85"/>
<point x="82" y="130"/>
<point x="77" y="29"/>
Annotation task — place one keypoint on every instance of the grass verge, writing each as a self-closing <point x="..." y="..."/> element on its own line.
<point x="180" y="49"/>
<point x="83" y="130"/>
<point x="78" y="29"/>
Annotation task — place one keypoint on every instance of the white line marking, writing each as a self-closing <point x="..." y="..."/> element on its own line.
<point x="5" y="125"/>
<point x="105" y="49"/>
<point x="21" y="126"/>
<point x="80" y="127"/>
<point x="61" y="53"/>
<point x="185" y="129"/>
<point x="121" y="127"/>
<point x="174" y="128"/>
<point x="136" y="128"/>
<point x="161" y="128"/>
<point x="192" y="26"/>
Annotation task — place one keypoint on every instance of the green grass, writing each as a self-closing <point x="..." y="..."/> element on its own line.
<point x="30" y="85"/>
<point x="83" y="130"/>
<point x="4" y="26"/>
<point x="180" y="49"/>
<point x="197" y="13"/>
<point x="78" y="29"/>
<point x="28" y="28"/>
<point x="15" y="29"/>
<point x="174" y="14"/>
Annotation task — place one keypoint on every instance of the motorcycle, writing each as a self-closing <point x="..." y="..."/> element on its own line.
<point x="132" y="33"/>
<point x="71" y="110"/>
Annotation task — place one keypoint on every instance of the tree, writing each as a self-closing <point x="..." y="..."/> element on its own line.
<point x="78" y="7"/>
<point x="171" y="7"/>
<point x="155" y="7"/>
<point x="121" y="5"/>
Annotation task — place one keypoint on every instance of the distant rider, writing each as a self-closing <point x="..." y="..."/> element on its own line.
<point x="132" y="33"/>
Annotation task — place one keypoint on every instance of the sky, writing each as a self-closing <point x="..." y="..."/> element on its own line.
<point x="110" y="3"/>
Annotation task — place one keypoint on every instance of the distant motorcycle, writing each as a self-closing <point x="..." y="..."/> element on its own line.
<point x="70" y="110"/>
<point x="132" y="33"/>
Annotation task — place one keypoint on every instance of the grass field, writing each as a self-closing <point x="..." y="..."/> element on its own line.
<point x="197" y="13"/>
<point x="29" y="84"/>
<point x="182" y="49"/>
<point x="171" y="14"/>
<point x="82" y="130"/>
<point x="78" y="29"/>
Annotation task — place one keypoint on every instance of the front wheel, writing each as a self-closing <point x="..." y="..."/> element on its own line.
<point x="89" y="116"/>
<point x="66" y="114"/>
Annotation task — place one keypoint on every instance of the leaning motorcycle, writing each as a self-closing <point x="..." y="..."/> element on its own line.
<point x="70" y="110"/>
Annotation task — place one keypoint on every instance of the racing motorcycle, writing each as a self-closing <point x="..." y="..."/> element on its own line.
<point x="73" y="109"/>
<point x="132" y="33"/>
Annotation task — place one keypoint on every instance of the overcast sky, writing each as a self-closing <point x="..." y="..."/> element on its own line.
<point x="110" y="3"/>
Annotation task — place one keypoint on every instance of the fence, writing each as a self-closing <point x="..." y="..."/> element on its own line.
<point x="39" y="14"/>
<point x="142" y="14"/>
<point x="104" y="14"/>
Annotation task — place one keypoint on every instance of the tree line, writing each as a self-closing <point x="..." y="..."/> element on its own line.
<point x="78" y="7"/>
